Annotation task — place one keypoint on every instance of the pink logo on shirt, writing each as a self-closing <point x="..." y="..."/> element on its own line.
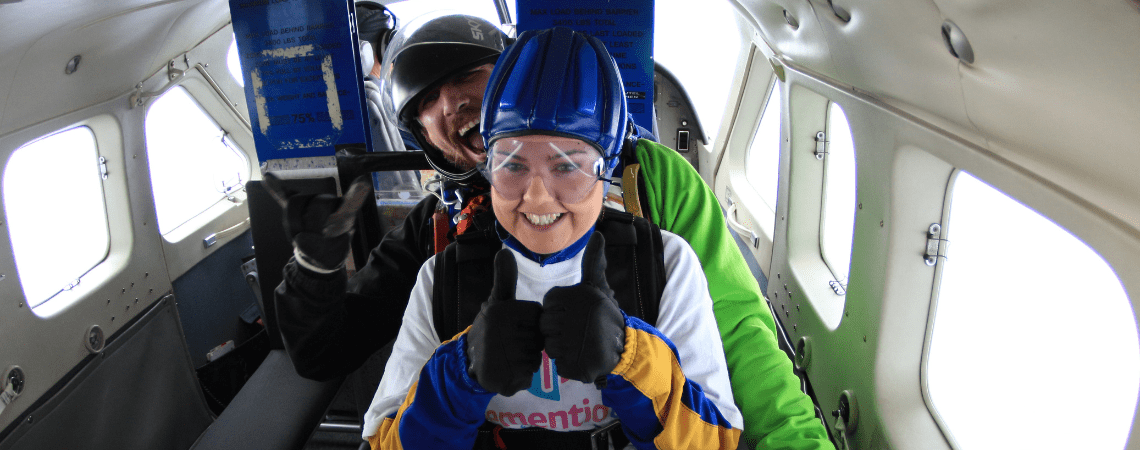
<point x="545" y="382"/>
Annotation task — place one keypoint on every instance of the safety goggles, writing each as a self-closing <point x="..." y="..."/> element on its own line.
<point x="568" y="168"/>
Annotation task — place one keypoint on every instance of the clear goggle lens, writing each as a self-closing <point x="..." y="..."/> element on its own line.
<point x="568" y="168"/>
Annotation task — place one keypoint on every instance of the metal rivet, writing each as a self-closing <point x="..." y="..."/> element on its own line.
<point x="684" y="123"/>
<point x="860" y="206"/>
<point x="880" y="223"/>
<point x="132" y="285"/>
<point x="149" y="291"/>
<point x="136" y="300"/>
<point x="128" y="307"/>
<point x="124" y="291"/>
<point x="94" y="339"/>
<point x="794" y="327"/>
<point x="957" y="43"/>
<point x="797" y="307"/>
<point x="29" y="419"/>
<point x="864" y="338"/>
<point x="21" y="304"/>
<point x="72" y="65"/>
<point x="795" y="24"/>
<point x="147" y="274"/>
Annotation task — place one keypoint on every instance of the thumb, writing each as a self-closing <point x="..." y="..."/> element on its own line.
<point x="506" y="276"/>
<point x="341" y="220"/>
<point x="594" y="263"/>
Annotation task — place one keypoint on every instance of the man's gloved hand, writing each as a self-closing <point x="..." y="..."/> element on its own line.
<point x="320" y="226"/>
<point x="504" y="346"/>
<point x="582" y="324"/>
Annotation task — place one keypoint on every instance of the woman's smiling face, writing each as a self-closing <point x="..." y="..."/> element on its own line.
<point x="545" y="190"/>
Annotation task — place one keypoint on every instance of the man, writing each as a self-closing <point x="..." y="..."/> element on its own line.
<point x="432" y="70"/>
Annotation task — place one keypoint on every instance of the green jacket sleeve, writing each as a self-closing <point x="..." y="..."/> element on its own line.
<point x="777" y="415"/>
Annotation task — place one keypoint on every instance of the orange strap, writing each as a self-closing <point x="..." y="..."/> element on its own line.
<point x="441" y="228"/>
<point x="476" y="205"/>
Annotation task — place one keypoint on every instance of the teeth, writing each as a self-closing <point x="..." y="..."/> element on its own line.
<point x="472" y="124"/>
<point x="543" y="219"/>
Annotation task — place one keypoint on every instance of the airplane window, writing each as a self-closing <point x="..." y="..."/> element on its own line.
<point x="1006" y="353"/>
<point x="193" y="165"/>
<point x="56" y="214"/>
<point x="762" y="164"/>
<point x="234" y="63"/>
<point x="699" y="44"/>
<point x="838" y="215"/>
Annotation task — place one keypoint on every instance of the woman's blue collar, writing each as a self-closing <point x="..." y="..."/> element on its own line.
<point x="557" y="257"/>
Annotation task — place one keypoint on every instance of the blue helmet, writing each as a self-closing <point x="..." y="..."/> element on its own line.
<point x="558" y="82"/>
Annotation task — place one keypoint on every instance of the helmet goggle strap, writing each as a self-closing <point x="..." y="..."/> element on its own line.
<point x="567" y="171"/>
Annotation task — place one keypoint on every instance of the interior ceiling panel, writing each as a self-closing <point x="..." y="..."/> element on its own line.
<point x="895" y="50"/>
<point x="803" y="44"/>
<point x="118" y="42"/>
<point x="1074" y="68"/>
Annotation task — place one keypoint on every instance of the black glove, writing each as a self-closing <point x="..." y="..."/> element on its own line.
<point x="582" y="324"/>
<point x="504" y="346"/>
<point x="320" y="226"/>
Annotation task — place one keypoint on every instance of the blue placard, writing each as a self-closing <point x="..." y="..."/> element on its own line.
<point x="303" y="80"/>
<point x="625" y="27"/>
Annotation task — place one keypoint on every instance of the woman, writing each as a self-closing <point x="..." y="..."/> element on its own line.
<point x="553" y="350"/>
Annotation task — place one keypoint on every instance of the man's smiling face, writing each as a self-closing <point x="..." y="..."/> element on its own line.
<point x="449" y="116"/>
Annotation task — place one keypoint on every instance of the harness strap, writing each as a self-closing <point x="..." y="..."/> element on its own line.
<point x="630" y="190"/>
<point x="635" y="270"/>
<point x="440" y="229"/>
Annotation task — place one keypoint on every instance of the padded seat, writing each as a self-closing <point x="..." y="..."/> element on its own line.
<point x="276" y="409"/>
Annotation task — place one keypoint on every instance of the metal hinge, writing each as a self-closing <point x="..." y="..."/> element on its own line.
<point x="936" y="247"/>
<point x="820" y="145"/>
<point x="103" y="167"/>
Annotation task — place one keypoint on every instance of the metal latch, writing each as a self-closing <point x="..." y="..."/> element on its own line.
<point x="820" y="145"/>
<point x="682" y="141"/>
<point x="936" y="247"/>
<point x="103" y="167"/>
<point x="739" y="228"/>
<point x="11" y="386"/>
<point x="846" y="419"/>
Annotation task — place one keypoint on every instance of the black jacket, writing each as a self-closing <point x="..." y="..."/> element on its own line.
<point x="332" y="324"/>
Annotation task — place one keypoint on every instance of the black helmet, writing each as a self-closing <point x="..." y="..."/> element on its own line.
<point x="375" y="24"/>
<point x="427" y="50"/>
